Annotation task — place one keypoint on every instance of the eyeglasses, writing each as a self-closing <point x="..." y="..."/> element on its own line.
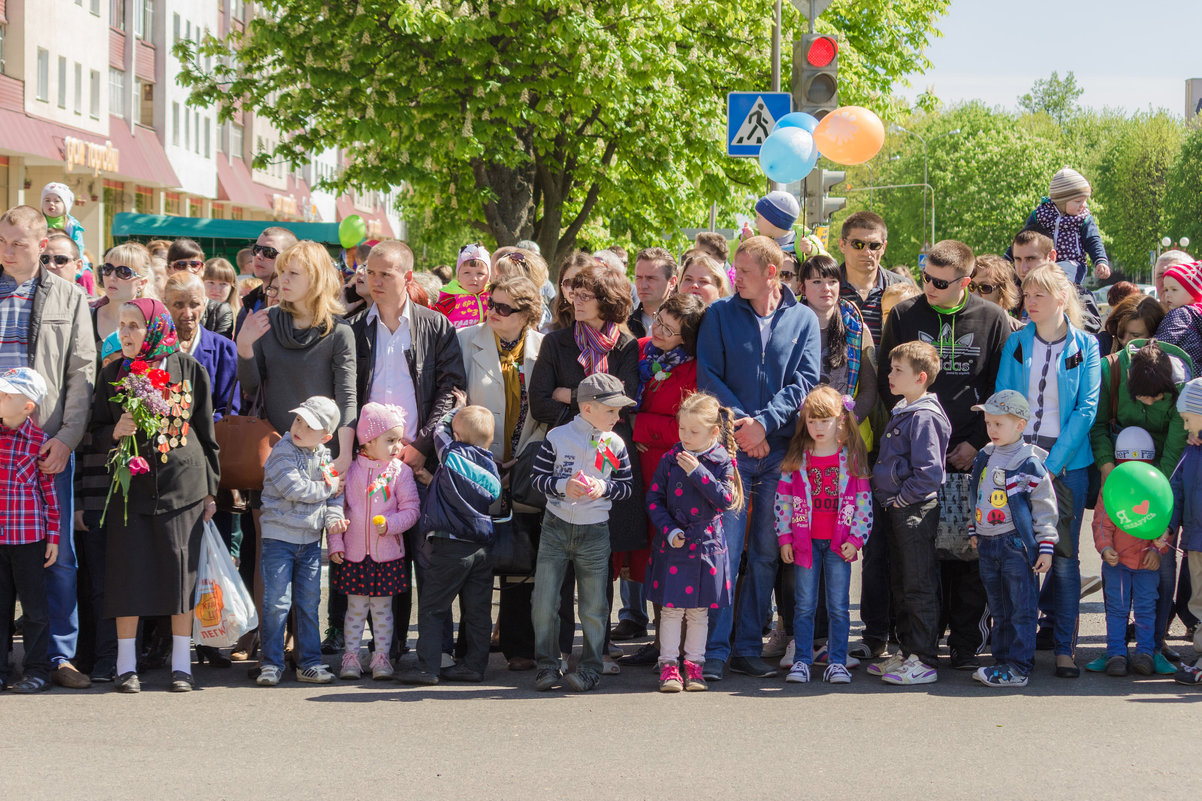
<point x="982" y="289"/>
<point x="264" y="251"/>
<point x="122" y="271"/>
<point x="583" y="297"/>
<point x="61" y="261"/>
<point x="787" y="275"/>
<point x="938" y="282"/>
<point x="502" y="309"/>
<point x="860" y="244"/>
<point x="659" y="320"/>
<point x="271" y="291"/>
<point x="186" y="264"/>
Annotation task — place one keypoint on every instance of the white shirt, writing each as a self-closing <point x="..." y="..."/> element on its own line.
<point x="391" y="382"/>
<point x="1043" y="388"/>
<point x="765" y="330"/>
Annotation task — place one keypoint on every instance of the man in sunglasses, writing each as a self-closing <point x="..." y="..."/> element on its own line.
<point x="45" y="324"/>
<point x="862" y="242"/>
<point x="61" y="257"/>
<point x="265" y="251"/>
<point x="968" y="332"/>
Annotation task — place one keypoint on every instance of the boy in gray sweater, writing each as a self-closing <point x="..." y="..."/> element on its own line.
<point x="298" y="484"/>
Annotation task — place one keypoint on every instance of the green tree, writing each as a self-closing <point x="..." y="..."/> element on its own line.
<point x="1182" y="211"/>
<point x="1055" y="96"/>
<point x="534" y="118"/>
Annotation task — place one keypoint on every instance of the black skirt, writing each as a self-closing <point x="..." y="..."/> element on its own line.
<point x="151" y="561"/>
<point x="371" y="578"/>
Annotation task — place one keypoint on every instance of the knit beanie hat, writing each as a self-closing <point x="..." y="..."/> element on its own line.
<point x="1068" y="184"/>
<point x="1135" y="444"/>
<point x="470" y="252"/>
<point x="1189" y="276"/>
<point x="779" y="208"/>
<point x="1190" y="399"/>
<point x="64" y="194"/>
<point x="376" y="418"/>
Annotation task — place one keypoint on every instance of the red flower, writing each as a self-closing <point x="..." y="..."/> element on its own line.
<point x="138" y="466"/>
<point x="138" y="367"/>
<point x="159" y="378"/>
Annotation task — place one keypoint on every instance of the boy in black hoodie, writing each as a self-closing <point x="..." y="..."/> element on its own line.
<point x="968" y="334"/>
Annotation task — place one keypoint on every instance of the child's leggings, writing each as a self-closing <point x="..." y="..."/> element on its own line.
<point x="669" y="634"/>
<point x="357" y="607"/>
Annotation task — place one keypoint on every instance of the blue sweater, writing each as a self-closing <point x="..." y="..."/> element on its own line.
<point x="769" y="383"/>
<point x="1187" y="500"/>
<point x="464" y="487"/>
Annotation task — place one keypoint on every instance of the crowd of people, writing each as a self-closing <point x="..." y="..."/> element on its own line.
<point x="705" y="450"/>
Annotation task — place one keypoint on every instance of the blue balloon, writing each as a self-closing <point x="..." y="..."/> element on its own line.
<point x="788" y="155"/>
<point x="797" y="119"/>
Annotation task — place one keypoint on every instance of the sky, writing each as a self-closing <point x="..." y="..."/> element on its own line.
<point x="994" y="51"/>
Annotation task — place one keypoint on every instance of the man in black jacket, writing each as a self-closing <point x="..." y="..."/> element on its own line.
<point x="267" y="248"/>
<point x="654" y="280"/>
<point x="968" y="333"/>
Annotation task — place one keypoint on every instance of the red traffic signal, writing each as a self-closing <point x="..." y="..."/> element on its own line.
<point x="822" y="51"/>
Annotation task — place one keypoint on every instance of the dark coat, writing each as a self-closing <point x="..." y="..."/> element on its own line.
<point x="219" y="318"/>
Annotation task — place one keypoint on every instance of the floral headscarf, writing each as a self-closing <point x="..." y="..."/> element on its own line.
<point x="161" y="340"/>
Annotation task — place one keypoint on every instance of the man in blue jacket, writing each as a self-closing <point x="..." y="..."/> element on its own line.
<point x="759" y="353"/>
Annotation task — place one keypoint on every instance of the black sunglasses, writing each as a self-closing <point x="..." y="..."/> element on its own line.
<point x="938" y="282"/>
<point x="267" y="253"/>
<point x="185" y="264"/>
<point x="61" y="261"/>
<point x="787" y="275"/>
<point x="122" y="271"/>
<point x="503" y="309"/>
<point x="860" y="244"/>
<point x="981" y="289"/>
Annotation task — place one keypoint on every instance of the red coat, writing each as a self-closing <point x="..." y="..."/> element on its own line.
<point x="655" y="426"/>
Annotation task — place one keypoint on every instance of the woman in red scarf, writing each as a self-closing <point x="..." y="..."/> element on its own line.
<point x="154" y="532"/>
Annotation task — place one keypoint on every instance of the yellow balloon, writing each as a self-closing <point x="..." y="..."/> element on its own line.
<point x="850" y="135"/>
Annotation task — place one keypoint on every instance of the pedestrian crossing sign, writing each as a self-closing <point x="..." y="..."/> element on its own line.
<point x="750" y="117"/>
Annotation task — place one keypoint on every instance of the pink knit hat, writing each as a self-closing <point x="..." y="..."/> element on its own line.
<point x="1189" y="276"/>
<point x="376" y="418"/>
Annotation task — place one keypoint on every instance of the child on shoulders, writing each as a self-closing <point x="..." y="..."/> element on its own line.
<point x="464" y="301"/>
<point x="1064" y="217"/>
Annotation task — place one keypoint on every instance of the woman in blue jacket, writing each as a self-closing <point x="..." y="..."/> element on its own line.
<point x="1056" y="365"/>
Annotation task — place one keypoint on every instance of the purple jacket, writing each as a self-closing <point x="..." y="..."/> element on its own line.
<point x="910" y="468"/>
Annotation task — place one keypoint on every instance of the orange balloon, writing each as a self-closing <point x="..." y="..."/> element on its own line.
<point x="850" y="135"/>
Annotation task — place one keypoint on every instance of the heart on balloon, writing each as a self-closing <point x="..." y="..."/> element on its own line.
<point x="1141" y="509"/>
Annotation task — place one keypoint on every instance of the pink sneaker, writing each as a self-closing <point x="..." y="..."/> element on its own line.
<point x="351" y="669"/>
<point x="693" y="680"/>
<point x="669" y="678"/>
<point x="381" y="668"/>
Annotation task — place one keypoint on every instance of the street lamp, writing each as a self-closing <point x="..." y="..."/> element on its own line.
<point x="925" y="164"/>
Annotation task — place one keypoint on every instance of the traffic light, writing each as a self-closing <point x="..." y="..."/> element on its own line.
<point x="816" y="74"/>
<point x="819" y="207"/>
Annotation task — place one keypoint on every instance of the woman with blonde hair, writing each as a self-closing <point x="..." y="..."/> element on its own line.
<point x="124" y="276"/>
<point x="704" y="277"/>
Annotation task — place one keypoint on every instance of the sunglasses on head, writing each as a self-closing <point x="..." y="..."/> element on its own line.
<point x="938" y="282"/>
<point x="264" y="251"/>
<point x="982" y="289"/>
<point x="860" y="244"/>
<point x="122" y="271"/>
<point x="502" y="309"/>
<point x="186" y="264"/>
<point x="61" y="261"/>
<point x="517" y="257"/>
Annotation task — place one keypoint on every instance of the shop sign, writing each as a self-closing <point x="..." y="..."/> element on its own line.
<point x="97" y="158"/>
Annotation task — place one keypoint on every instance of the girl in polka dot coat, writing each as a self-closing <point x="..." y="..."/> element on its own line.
<point x="688" y="572"/>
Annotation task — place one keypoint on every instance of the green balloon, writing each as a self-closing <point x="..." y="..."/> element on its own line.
<point x="1138" y="499"/>
<point x="351" y="231"/>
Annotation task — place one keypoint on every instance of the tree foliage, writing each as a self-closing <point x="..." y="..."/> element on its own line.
<point x="1055" y="96"/>
<point x="1182" y="213"/>
<point x="541" y="119"/>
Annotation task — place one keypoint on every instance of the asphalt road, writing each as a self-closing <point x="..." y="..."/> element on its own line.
<point x="1093" y="738"/>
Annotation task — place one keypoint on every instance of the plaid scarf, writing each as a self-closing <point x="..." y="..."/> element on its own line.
<point x="595" y="346"/>
<point x="1066" y="230"/>
<point x="855" y="341"/>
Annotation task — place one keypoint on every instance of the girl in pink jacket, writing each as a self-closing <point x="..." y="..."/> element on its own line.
<point x="823" y="516"/>
<point x="381" y="503"/>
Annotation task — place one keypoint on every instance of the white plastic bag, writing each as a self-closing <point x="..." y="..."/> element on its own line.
<point x="225" y="609"/>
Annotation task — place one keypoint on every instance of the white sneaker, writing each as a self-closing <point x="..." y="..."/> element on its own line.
<point x="790" y="652"/>
<point x="778" y="643"/>
<point x="823" y="656"/>
<point x="608" y="666"/>
<point x="318" y="674"/>
<point x="881" y="668"/>
<point x="269" y="676"/>
<point x="911" y="671"/>
<point x="799" y="673"/>
<point x="836" y="674"/>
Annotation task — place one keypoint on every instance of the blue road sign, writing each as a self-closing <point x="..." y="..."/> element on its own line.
<point x="750" y="117"/>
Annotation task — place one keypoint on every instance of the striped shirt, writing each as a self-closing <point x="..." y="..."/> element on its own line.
<point x="16" y="305"/>
<point x="870" y="307"/>
<point x="578" y="447"/>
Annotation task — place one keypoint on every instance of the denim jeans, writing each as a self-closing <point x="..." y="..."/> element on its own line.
<point x="914" y="576"/>
<point x="291" y="578"/>
<point x="1127" y="590"/>
<point x="760" y="478"/>
<point x="1060" y="598"/>
<point x="828" y="564"/>
<point x="1013" y="592"/>
<point x="586" y="547"/>
<point x="634" y="603"/>
<point x="61" y="598"/>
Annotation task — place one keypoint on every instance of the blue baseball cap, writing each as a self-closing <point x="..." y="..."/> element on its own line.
<point x="24" y="381"/>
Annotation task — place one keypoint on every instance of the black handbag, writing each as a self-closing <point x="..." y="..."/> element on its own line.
<point x="515" y="544"/>
<point x="1066" y="546"/>
<point x="521" y="478"/>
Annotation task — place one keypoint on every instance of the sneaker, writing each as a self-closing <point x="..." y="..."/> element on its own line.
<point x="1090" y="585"/>
<point x="822" y="656"/>
<point x="269" y="676"/>
<point x="867" y="649"/>
<point x="881" y="668"/>
<point x="1163" y="667"/>
<point x="1143" y="664"/>
<point x="546" y="679"/>
<point x="351" y="669"/>
<point x="713" y="669"/>
<point x="799" y="673"/>
<point x="609" y="667"/>
<point x="582" y="680"/>
<point x="912" y="671"/>
<point x="790" y="655"/>
<point x="1188" y="675"/>
<point x="778" y="641"/>
<point x="752" y="666"/>
<point x="333" y="642"/>
<point x="670" y="680"/>
<point x="694" y="681"/>
<point x="1098" y="665"/>
<point x="646" y="655"/>
<point x="314" y="674"/>
<point x="418" y="677"/>
<point x="1116" y="666"/>
<point x="836" y="674"/>
<point x="381" y="667"/>
<point x="462" y="672"/>
<point x="963" y="661"/>
<point x="999" y="676"/>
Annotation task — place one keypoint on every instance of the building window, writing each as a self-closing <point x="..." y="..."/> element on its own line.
<point x="144" y="19"/>
<point x="3" y="33"/>
<point x="208" y="138"/>
<point x="175" y="28"/>
<point x="196" y="132"/>
<point x="43" y="75"/>
<point x="95" y="95"/>
<point x="145" y="108"/>
<point x="235" y="140"/>
<point x="62" y="81"/>
<point x="171" y="204"/>
<point x="117" y="92"/>
<point x="237" y="9"/>
<point x="95" y="9"/>
<point x="117" y="14"/>
<point x="143" y="200"/>
<point x="175" y="124"/>
<point x="78" y="88"/>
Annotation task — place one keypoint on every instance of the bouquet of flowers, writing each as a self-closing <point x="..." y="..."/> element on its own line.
<point x="142" y="393"/>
